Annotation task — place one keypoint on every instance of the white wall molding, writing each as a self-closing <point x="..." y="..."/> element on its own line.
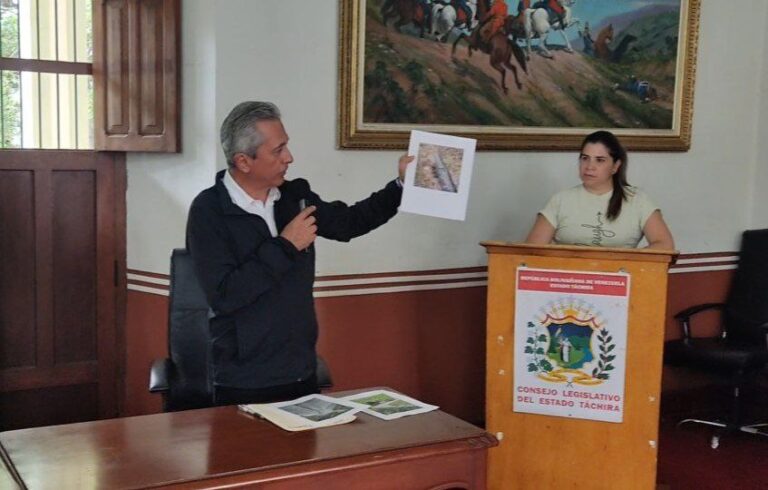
<point x="397" y="282"/>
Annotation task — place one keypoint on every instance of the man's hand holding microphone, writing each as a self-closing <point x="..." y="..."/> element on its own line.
<point x="302" y="230"/>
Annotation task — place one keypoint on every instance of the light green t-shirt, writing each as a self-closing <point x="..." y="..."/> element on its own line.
<point x="579" y="218"/>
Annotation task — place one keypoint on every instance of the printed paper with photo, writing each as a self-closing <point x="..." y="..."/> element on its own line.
<point x="437" y="183"/>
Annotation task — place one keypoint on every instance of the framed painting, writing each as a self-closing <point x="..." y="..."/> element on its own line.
<point x="517" y="74"/>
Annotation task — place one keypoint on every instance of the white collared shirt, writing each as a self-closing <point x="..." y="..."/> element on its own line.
<point x="253" y="206"/>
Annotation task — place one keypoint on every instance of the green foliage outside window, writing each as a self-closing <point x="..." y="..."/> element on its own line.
<point x="10" y="125"/>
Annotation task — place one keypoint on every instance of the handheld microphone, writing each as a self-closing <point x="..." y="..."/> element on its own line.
<point x="302" y="207"/>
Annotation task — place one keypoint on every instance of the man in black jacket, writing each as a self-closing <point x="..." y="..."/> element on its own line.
<point x="251" y="237"/>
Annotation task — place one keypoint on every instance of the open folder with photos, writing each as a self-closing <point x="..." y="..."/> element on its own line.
<point x="315" y="411"/>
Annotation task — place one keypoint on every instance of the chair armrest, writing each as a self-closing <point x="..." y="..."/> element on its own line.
<point x="323" y="374"/>
<point x="158" y="375"/>
<point x="764" y="327"/>
<point x="690" y="311"/>
<point x="684" y="316"/>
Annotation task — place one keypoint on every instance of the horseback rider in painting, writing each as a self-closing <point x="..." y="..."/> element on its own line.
<point x="461" y="5"/>
<point x="426" y="9"/>
<point x="555" y="10"/>
<point x="493" y="21"/>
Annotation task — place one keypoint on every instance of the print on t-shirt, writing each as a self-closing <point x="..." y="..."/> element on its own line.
<point x="598" y="230"/>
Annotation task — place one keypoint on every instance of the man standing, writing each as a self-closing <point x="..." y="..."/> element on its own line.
<point x="586" y="37"/>
<point x="251" y="238"/>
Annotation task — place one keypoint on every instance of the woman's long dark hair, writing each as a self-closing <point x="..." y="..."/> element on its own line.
<point x="618" y="153"/>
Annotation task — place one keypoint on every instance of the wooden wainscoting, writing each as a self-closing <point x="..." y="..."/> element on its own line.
<point x="420" y="332"/>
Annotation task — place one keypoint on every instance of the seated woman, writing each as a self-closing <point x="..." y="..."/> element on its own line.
<point x="604" y="210"/>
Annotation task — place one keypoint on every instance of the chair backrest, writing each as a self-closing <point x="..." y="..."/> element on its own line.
<point x="188" y="338"/>
<point x="189" y="383"/>
<point x="747" y="306"/>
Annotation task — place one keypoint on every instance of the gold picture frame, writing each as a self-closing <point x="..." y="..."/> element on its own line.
<point x="650" y="114"/>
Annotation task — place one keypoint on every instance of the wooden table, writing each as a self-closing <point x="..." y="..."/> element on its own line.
<point x="222" y="446"/>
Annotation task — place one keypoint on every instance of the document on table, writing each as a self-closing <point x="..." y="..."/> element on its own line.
<point x="389" y="405"/>
<point x="307" y="412"/>
<point x="316" y="411"/>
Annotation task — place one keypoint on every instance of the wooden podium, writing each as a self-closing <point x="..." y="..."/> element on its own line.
<point x="544" y="451"/>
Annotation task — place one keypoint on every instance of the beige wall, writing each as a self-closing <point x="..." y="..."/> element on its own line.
<point x="286" y="52"/>
<point x="759" y="217"/>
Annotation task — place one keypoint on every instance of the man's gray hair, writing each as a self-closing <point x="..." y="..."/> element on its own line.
<point x="238" y="131"/>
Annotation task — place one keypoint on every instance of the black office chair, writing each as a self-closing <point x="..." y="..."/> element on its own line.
<point x="741" y="350"/>
<point x="182" y="378"/>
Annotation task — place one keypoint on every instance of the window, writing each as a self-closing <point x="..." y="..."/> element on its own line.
<point x="46" y="94"/>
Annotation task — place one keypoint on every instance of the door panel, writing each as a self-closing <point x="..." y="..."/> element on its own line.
<point x="74" y="269"/>
<point x="136" y="75"/>
<point x="17" y="277"/>
<point x="62" y="234"/>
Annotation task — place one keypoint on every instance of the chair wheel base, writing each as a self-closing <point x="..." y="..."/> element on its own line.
<point x="703" y="422"/>
<point x="714" y="442"/>
<point x="756" y="429"/>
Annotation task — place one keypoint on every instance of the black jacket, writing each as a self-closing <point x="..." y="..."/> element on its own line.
<point x="259" y="287"/>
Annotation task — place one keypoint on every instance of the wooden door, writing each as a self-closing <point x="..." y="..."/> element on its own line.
<point x="62" y="263"/>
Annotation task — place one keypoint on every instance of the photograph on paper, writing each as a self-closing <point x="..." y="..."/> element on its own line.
<point x="318" y="409"/>
<point x="438" y="167"/>
<point x="389" y="405"/>
<point x="437" y="184"/>
<point x="307" y="412"/>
